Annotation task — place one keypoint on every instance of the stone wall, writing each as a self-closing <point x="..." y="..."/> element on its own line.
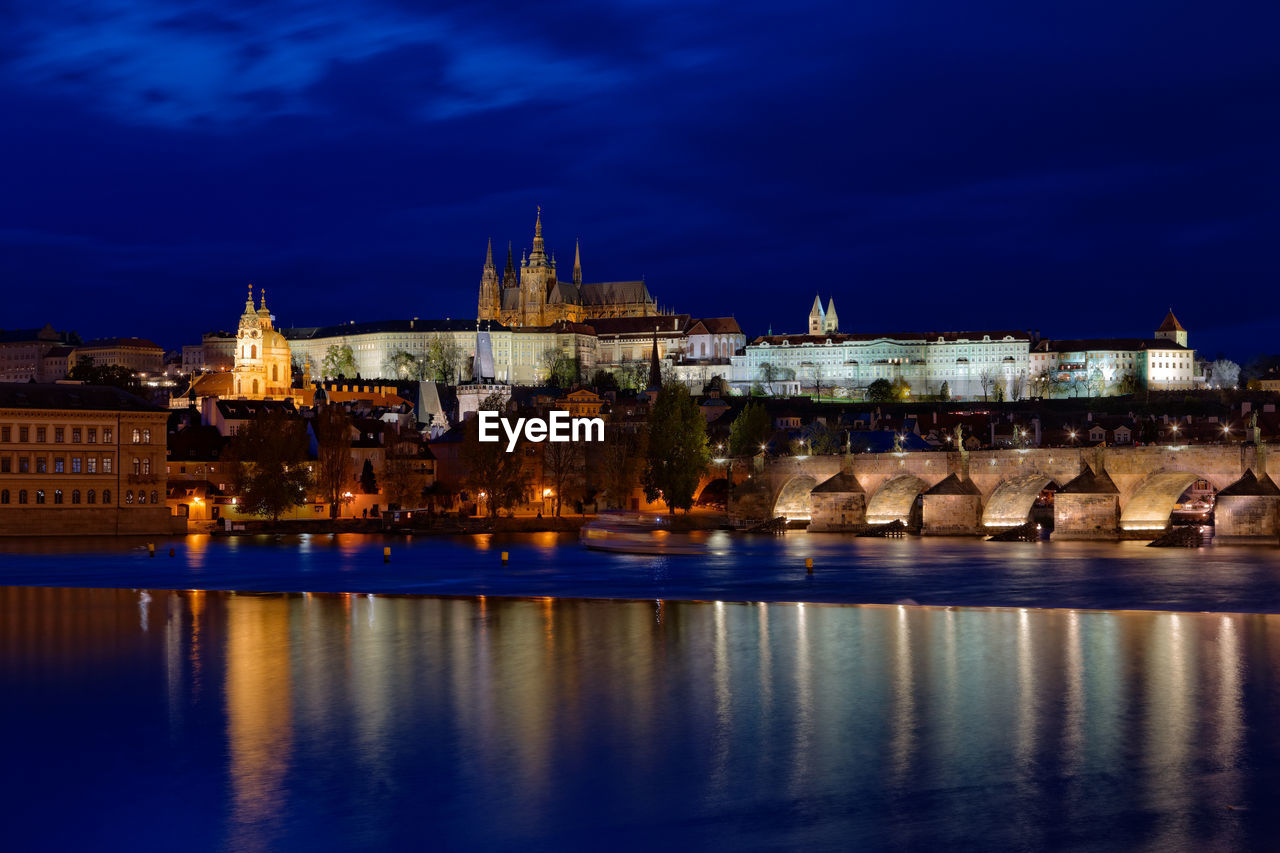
<point x="1246" y="519"/>
<point x="952" y="515"/>
<point x="89" y="521"/>
<point x="1077" y="516"/>
<point x="834" y="511"/>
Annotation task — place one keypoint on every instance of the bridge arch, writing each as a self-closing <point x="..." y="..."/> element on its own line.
<point x="1010" y="504"/>
<point x="1151" y="504"/>
<point x="895" y="499"/>
<point x="795" y="499"/>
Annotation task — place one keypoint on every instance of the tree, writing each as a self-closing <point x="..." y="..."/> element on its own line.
<point x="1224" y="373"/>
<point x="603" y="380"/>
<point x="561" y="462"/>
<point x="677" y="454"/>
<point x="615" y="464"/>
<point x="443" y="361"/>
<point x="368" y="479"/>
<point x="108" y="374"/>
<point x="820" y="439"/>
<point x="986" y="381"/>
<point x="881" y="391"/>
<point x="768" y="375"/>
<point x="1018" y="385"/>
<point x="497" y="476"/>
<point x="338" y="361"/>
<point x="332" y="428"/>
<point x="944" y="393"/>
<point x="403" y="365"/>
<point x="1127" y="383"/>
<point x="268" y="469"/>
<point x="403" y="473"/>
<point x="562" y="369"/>
<point x="749" y="429"/>
<point x="901" y="389"/>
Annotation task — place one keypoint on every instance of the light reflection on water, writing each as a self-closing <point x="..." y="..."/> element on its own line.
<point x="248" y="721"/>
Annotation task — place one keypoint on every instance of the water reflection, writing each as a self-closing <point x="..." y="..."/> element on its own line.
<point x="584" y="724"/>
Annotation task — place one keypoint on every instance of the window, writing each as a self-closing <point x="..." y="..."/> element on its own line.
<point x="24" y="434"/>
<point x="42" y="434"/>
<point x="22" y="496"/>
<point x="59" y="465"/>
<point x="5" y="464"/>
<point x="106" y="435"/>
<point x="128" y="497"/>
<point x="24" y="464"/>
<point x="91" y="465"/>
<point x="42" y="465"/>
<point x="106" y="496"/>
<point x="106" y="464"/>
<point x="137" y="436"/>
<point x="93" y="435"/>
<point x="57" y="496"/>
<point x="137" y="465"/>
<point x="59" y="435"/>
<point x="154" y="496"/>
<point x="4" y="496"/>
<point x="253" y="351"/>
<point x="6" y="434"/>
<point x="146" y="436"/>
<point x="75" y="496"/>
<point x="75" y="435"/>
<point x="146" y="465"/>
<point x="142" y="496"/>
<point x="39" y="496"/>
<point x="75" y="464"/>
<point x="91" y="497"/>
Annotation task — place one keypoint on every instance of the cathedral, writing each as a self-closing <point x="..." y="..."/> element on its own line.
<point x="263" y="364"/>
<point x="535" y="297"/>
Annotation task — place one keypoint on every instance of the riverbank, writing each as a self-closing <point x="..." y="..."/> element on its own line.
<point x="424" y="525"/>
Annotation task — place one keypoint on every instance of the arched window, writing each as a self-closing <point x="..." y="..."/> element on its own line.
<point x="137" y="465"/>
<point x="137" y="435"/>
<point x="142" y="496"/>
<point x="146" y="465"/>
<point x="4" y="496"/>
<point x="39" y="496"/>
<point x="91" y="497"/>
<point x="154" y="496"/>
<point x="22" y="496"/>
<point x="75" y="496"/>
<point x="128" y="496"/>
<point x="57" y="496"/>
<point x="253" y="351"/>
<point x="255" y="386"/>
<point x="106" y="496"/>
<point x="146" y="436"/>
<point x="275" y="373"/>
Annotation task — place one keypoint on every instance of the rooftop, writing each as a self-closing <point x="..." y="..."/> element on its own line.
<point x="100" y="398"/>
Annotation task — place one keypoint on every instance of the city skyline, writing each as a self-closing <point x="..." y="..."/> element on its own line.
<point x="356" y="165"/>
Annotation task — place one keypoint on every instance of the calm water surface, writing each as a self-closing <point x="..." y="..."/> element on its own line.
<point x="177" y="720"/>
<point x="860" y="571"/>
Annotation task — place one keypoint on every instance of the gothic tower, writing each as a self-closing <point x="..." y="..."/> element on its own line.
<point x="537" y="277"/>
<point x="816" y="316"/>
<point x="1172" y="330"/>
<point x="490" y="294"/>
<point x="577" y="264"/>
<point x="831" y="323"/>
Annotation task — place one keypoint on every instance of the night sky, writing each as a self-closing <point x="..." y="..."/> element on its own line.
<point x="1070" y="167"/>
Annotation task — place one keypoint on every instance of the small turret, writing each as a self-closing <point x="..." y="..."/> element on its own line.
<point x="1172" y="330"/>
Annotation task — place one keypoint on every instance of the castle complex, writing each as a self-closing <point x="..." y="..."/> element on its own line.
<point x="536" y="297"/>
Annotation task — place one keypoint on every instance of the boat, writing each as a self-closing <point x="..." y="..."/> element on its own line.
<point x="635" y="533"/>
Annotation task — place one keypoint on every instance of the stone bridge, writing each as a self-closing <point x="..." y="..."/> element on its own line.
<point x="1100" y="492"/>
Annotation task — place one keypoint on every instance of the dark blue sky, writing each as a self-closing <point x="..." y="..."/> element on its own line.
<point x="1071" y="167"/>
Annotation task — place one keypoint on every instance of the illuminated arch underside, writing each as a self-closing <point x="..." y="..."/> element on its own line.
<point x="1151" y="506"/>
<point x="795" y="501"/>
<point x="893" y="500"/>
<point x="1010" y="504"/>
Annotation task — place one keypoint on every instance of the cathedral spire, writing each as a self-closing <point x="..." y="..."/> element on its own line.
<point x="538" y="254"/>
<point x="511" y="266"/>
<point x="488" y="256"/>
<point x="577" y="263"/>
<point x="655" y="371"/>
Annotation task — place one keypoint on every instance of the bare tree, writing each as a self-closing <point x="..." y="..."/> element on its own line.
<point x="561" y="464"/>
<point x="986" y="381"/>
<point x="332" y="428"/>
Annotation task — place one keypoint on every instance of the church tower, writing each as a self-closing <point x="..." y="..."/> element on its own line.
<point x="490" y="294"/>
<point x="831" y="323"/>
<point x="537" y="277"/>
<point x="263" y="361"/>
<point x="1171" y="330"/>
<point x="577" y="264"/>
<point x="816" y="316"/>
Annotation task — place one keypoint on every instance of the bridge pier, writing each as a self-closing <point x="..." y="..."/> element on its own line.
<point x="952" y="508"/>
<point x="1088" y="507"/>
<point x="839" y="504"/>
<point x="1246" y="511"/>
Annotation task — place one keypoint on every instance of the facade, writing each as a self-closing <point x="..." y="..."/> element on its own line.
<point x="1101" y="366"/>
<point x="263" y="362"/>
<point x="23" y="353"/>
<point x="137" y="355"/>
<point x="216" y="351"/>
<point x="536" y="297"/>
<point x="80" y="460"/>
<point x="973" y="365"/>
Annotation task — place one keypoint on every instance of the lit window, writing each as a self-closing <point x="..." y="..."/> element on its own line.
<point x="106" y="465"/>
<point x="39" y="496"/>
<point x="128" y="497"/>
<point x="137" y="436"/>
<point x="59" y="435"/>
<point x="57" y="496"/>
<point x="59" y="465"/>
